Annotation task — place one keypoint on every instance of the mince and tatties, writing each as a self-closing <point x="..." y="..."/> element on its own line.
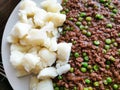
<point x="34" y="48"/>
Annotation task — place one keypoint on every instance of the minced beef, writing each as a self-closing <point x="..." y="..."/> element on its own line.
<point x="93" y="26"/>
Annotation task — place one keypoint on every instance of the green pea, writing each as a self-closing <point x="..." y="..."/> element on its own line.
<point x="106" y="4"/>
<point x="67" y="10"/>
<point x="63" y="32"/>
<point x="56" y="88"/>
<point x="85" y="64"/>
<point x="90" y="88"/>
<point x="89" y="23"/>
<point x="86" y="58"/>
<point x="86" y="27"/>
<point x="109" y="25"/>
<point x="107" y="66"/>
<point x="118" y="51"/>
<point x="96" y="43"/>
<point x="74" y="42"/>
<point x="86" y="88"/>
<point x="54" y="84"/>
<point x="109" y="80"/>
<point x="108" y="41"/>
<point x="104" y="51"/>
<point x="71" y="19"/>
<point x="82" y="14"/>
<point x="96" y="84"/>
<point x="76" y="55"/>
<point x="98" y="16"/>
<point x="115" y="11"/>
<point x="83" y="69"/>
<point x="107" y="47"/>
<point x="112" y="15"/>
<point x="96" y="67"/>
<point x="87" y="81"/>
<point x="71" y="70"/>
<point x="111" y="6"/>
<point x="115" y="87"/>
<point x="88" y="18"/>
<point x="75" y="88"/>
<point x="84" y="54"/>
<point x="112" y="58"/>
<point x="89" y="67"/>
<point x="63" y="12"/>
<point x="112" y="19"/>
<point x="67" y="28"/>
<point x="112" y="40"/>
<point x="88" y="34"/>
<point x="102" y="1"/>
<point x="115" y="44"/>
<point x="119" y="34"/>
<point x="82" y="27"/>
<point x="108" y="62"/>
<point x="78" y="23"/>
<point x="60" y="77"/>
<point x="65" y="0"/>
<point x="84" y="32"/>
<point x="105" y="82"/>
<point x="80" y="18"/>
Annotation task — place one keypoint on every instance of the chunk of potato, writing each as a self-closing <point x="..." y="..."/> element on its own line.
<point x="39" y="17"/>
<point x="33" y="83"/>
<point x="36" y="37"/>
<point x="28" y="6"/>
<point x="63" y="69"/>
<point x="57" y="18"/>
<point x="30" y="61"/>
<point x="47" y="57"/>
<point x="51" y="6"/>
<point x="49" y="72"/>
<point x="20" y="30"/>
<point x="63" y="52"/>
<point x="45" y="85"/>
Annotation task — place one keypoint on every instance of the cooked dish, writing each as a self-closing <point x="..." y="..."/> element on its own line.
<point x="93" y="27"/>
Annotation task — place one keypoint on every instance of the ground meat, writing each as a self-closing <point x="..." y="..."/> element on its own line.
<point x="102" y="57"/>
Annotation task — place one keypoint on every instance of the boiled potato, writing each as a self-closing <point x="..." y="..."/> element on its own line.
<point x="53" y="45"/>
<point x="45" y="85"/>
<point x="18" y="47"/>
<point x="57" y="18"/>
<point x="51" y="6"/>
<point x="36" y="37"/>
<point x="63" y="69"/>
<point x="33" y="83"/>
<point x="39" y="17"/>
<point x="49" y="72"/>
<point x="47" y="56"/>
<point x="30" y="61"/>
<point x="28" y="6"/>
<point x="15" y="61"/>
<point x="12" y="39"/>
<point x="20" y="30"/>
<point x="22" y="16"/>
<point x="63" y="52"/>
<point x="21" y="72"/>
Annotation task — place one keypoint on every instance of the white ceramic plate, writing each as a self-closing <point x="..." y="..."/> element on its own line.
<point x="16" y="83"/>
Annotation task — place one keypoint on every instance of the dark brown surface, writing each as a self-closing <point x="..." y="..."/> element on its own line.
<point x="6" y="7"/>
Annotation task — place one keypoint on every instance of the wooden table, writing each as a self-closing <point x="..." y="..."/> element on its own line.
<point x="6" y="7"/>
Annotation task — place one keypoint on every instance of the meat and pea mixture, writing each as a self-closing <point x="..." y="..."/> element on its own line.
<point x="93" y="27"/>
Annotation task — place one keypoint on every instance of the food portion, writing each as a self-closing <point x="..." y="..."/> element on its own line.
<point x="93" y="28"/>
<point x="34" y="49"/>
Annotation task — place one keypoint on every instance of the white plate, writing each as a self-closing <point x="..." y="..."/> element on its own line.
<point x="16" y="83"/>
